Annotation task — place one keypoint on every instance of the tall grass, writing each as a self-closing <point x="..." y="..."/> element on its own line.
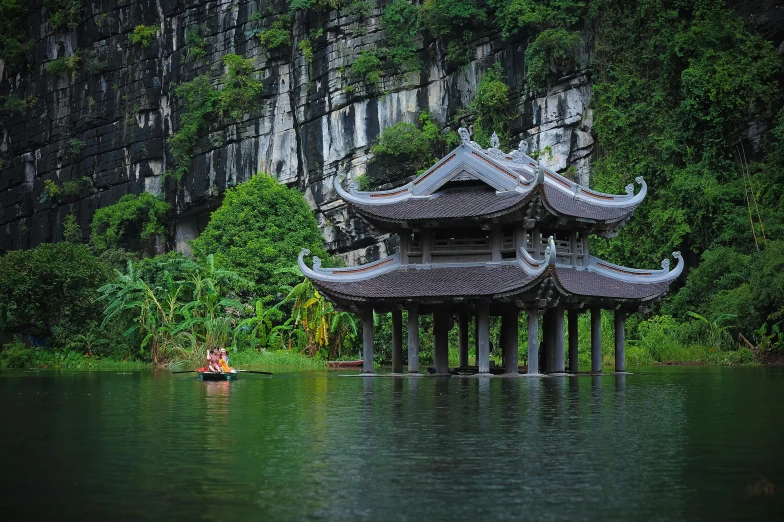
<point x="283" y="359"/>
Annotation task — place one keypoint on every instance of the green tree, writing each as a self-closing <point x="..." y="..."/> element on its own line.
<point x="51" y="285"/>
<point x="261" y="227"/>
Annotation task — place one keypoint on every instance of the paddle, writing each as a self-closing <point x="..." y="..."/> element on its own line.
<point x="186" y="371"/>
<point x="252" y="371"/>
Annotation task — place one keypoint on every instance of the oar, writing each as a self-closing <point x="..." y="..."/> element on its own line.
<point x="186" y="371"/>
<point x="252" y="371"/>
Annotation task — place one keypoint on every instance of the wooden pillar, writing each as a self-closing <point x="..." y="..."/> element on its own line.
<point x="397" y="341"/>
<point x="483" y="329"/>
<point x="533" y="341"/>
<point x="441" y="342"/>
<point x="427" y="246"/>
<point x="413" y="339"/>
<point x="509" y="324"/>
<point x="573" y="247"/>
<point x="495" y="244"/>
<point x="596" y="340"/>
<point x="559" y="339"/>
<point x="367" y="339"/>
<point x="463" y="338"/>
<point x="620" y="334"/>
<point x="573" y="340"/>
<point x="404" y="246"/>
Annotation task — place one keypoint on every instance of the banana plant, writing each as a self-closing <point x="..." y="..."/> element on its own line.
<point x="717" y="329"/>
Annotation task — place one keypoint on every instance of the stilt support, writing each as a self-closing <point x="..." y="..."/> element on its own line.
<point x="620" y="334"/>
<point x="573" y="341"/>
<point x="367" y="340"/>
<point x="397" y="341"/>
<point x="483" y="328"/>
<point x="559" y="339"/>
<point x="413" y="340"/>
<point x="533" y="341"/>
<point x="441" y="344"/>
<point x="509" y="324"/>
<point x="463" y="338"/>
<point x="596" y="340"/>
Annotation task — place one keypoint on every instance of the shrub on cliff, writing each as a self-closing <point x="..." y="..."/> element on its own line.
<point x="261" y="227"/>
<point x="133" y="216"/>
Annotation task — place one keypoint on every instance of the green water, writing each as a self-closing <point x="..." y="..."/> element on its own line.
<point x="660" y="444"/>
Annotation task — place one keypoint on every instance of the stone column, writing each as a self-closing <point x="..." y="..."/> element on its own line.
<point x="620" y="334"/>
<point x="596" y="340"/>
<point x="397" y="341"/>
<point x="441" y="344"/>
<point x="476" y="337"/>
<point x="413" y="340"/>
<point x="559" y="339"/>
<point x="533" y="342"/>
<point x="548" y="343"/>
<point x="509" y="324"/>
<point x="573" y="340"/>
<point x="483" y="328"/>
<point x="367" y="339"/>
<point x="463" y="338"/>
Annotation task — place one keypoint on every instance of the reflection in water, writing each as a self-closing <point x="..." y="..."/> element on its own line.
<point x="665" y="444"/>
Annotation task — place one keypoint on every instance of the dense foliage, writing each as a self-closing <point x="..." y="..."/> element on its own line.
<point x="132" y="217"/>
<point x="144" y="34"/>
<point x="204" y="103"/>
<point x="258" y="230"/>
<point x="14" y="42"/>
<point x="48" y="287"/>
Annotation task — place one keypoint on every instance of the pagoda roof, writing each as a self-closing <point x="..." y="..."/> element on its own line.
<point x="510" y="181"/>
<point x="525" y="278"/>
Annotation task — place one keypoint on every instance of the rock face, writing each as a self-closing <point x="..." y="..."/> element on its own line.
<point x="99" y="132"/>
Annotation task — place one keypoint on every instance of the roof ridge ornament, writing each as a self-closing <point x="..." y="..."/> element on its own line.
<point x="534" y="267"/>
<point x="519" y="155"/>
<point x="636" y="275"/>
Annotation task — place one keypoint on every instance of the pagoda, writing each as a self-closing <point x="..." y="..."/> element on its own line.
<point x="489" y="233"/>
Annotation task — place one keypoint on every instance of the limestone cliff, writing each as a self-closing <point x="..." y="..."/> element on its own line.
<point x="100" y="131"/>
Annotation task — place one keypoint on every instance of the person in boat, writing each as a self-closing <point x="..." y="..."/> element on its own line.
<point x="224" y="361"/>
<point x="213" y="362"/>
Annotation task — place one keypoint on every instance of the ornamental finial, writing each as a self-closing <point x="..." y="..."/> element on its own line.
<point x="316" y="263"/>
<point x="523" y="147"/>
<point x="639" y="180"/>
<point x="464" y="135"/>
<point x="665" y="265"/>
<point x="353" y="186"/>
<point x="494" y="141"/>
<point x="629" y="189"/>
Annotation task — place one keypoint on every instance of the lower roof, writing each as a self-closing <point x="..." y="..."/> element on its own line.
<point x="488" y="282"/>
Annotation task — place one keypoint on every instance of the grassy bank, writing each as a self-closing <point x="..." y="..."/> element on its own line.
<point x="19" y="357"/>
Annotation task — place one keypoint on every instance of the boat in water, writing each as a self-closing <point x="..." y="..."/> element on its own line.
<point x="345" y="364"/>
<point x="214" y="376"/>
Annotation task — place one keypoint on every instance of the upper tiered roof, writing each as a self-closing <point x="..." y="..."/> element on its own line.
<point x="489" y="183"/>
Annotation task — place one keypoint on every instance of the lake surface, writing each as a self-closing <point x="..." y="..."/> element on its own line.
<point x="659" y="444"/>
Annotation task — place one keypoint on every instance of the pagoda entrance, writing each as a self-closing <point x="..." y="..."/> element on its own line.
<point x="545" y="350"/>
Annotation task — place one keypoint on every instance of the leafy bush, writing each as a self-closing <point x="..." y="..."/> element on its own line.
<point x="14" y="41"/>
<point x="63" y="13"/>
<point x="16" y="356"/>
<point x="260" y="228"/>
<point x="144" y="34"/>
<point x="64" y="65"/>
<point x="71" y="231"/>
<point x="554" y="50"/>
<point x="402" y="23"/>
<point x="515" y="16"/>
<point x="204" y="103"/>
<point x="491" y="102"/>
<point x="369" y="67"/>
<point x="139" y="216"/>
<point x="276" y="35"/>
<point x="196" y="44"/>
<point x="54" y="284"/>
<point x="413" y="146"/>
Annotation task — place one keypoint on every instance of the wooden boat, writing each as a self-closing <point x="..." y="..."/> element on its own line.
<point x="212" y="376"/>
<point x="345" y="364"/>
